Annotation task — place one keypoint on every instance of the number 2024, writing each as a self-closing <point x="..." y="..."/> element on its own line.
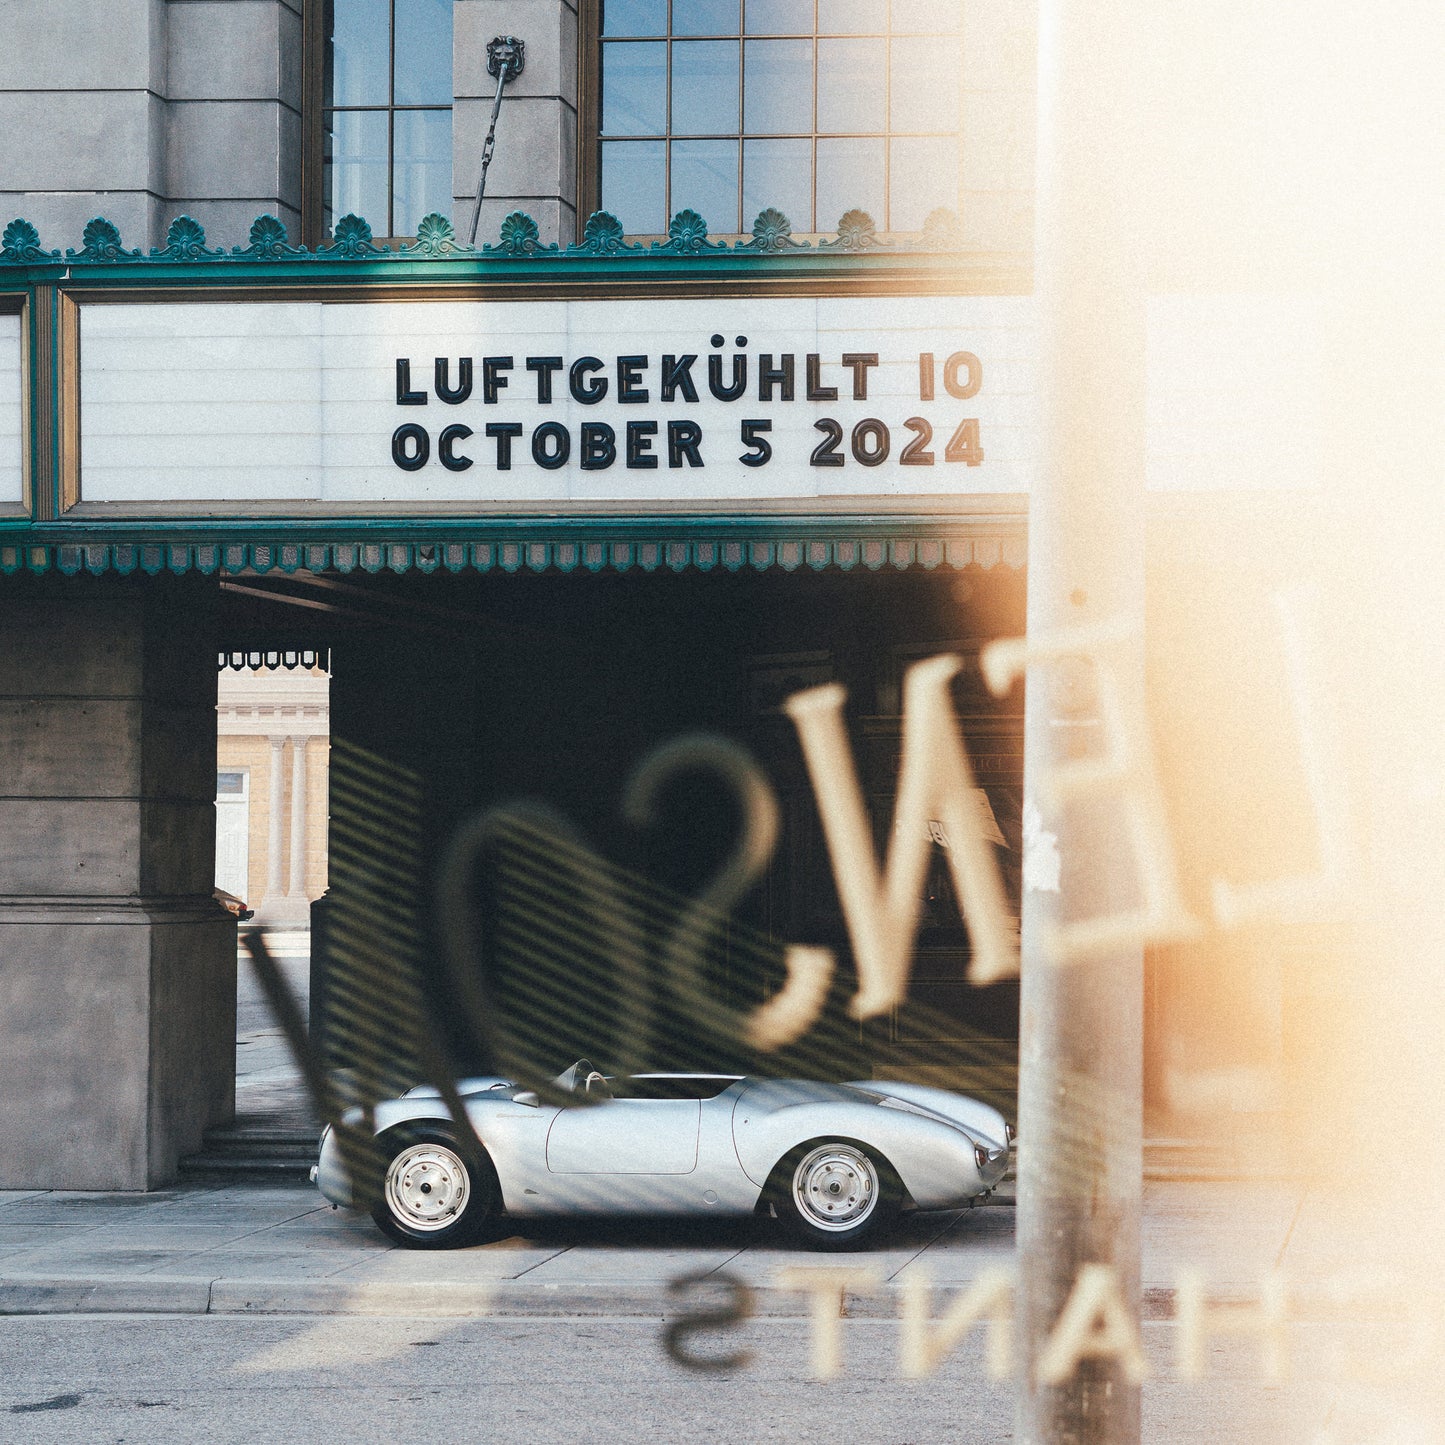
<point x="871" y="442"/>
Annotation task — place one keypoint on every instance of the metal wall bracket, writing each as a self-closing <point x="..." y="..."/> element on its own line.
<point x="506" y="59"/>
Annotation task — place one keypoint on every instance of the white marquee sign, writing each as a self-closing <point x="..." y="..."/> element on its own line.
<point x="357" y="404"/>
<point x="12" y="486"/>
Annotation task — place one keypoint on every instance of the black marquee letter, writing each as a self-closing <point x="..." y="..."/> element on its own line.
<point x="639" y="444"/>
<point x="446" y="441"/>
<point x="410" y="461"/>
<point x="453" y="396"/>
<point x="405" y="396"/>
<point x="551" y="431"/>
<point x="683" y="438"/>
<point x="598" y="446"/>
<point x="504" y="431"/>
<point x="587" y="394"/>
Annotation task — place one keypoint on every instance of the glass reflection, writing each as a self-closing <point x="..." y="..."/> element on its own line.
<point x="832" y="102"/>
<point x="357" y="167"/>
<point x="704" y="87"/>
<point x="779" y="17"/>
<point x="778" y="86"/>
<point x="634" y="17"/>
<point x="778" y="173"/>
<point x="360" y="53"/>
<point x="423" y="52"/>
<point x="925" y="95"/>
<point x="705" y="180"/>
<point x="850" y="86"/>
<point x="632" y="185"/>
<point x="421" y="168"/>
<point x="852" y="17"/>
<point x="923" y="175"/>
<point x="850" y="177"/>
<point x="634" y="88"/>
<point x="924" y="17"/>
<point x="705" y="17"/>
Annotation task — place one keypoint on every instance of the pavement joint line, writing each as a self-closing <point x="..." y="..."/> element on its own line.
<point x="556" y="1254"/>
<point x="499" y="1299"/>
<point x="736" y="1254"/>
<point x="925" y="1247"/>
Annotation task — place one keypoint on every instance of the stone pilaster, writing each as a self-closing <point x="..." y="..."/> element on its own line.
<point x="534" y="167"/>
<point x="117" y="968"/>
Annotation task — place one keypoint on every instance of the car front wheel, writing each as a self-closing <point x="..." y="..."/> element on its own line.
<point x="835" y="1194"/>
<point x="432" y="1196"/>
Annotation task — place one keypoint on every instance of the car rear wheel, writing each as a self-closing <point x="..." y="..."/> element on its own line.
<point x="432" y="1195"/>
<point x="834" y="1194"/>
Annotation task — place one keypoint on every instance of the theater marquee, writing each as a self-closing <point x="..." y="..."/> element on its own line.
<point x="355" y="404"/>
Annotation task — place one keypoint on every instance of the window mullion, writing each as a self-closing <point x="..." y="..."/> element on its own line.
<point x="391" y="122"/>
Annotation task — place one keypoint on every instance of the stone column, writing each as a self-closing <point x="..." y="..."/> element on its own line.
<point x="276" y="817"/>
<point x="117" y="967"/>
<point x="296" y="883"/>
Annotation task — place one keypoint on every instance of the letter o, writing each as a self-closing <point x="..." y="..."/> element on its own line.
<point x="962" y="361"/>
<point x="870" y="442"/>
<point x="547" y="457"/>
<point x="410" y="461"/>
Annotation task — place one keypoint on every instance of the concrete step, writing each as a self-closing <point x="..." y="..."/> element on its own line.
<point x="254" y="1148"/>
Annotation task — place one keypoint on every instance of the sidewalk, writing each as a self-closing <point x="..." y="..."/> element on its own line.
<point x="280" y="1249"/>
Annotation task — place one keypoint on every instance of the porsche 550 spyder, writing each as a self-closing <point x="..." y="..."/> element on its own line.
<point x="834" y="1162"/>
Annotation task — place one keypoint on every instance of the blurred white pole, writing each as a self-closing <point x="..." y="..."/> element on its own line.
<point x="1081" y="1051"/>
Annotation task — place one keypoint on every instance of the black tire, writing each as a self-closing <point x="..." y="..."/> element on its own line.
<point x="835" y="1193"/>
<point x="433" y="1195"/>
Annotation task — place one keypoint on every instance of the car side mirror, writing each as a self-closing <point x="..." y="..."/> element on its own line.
<point x="527" y="1097"/>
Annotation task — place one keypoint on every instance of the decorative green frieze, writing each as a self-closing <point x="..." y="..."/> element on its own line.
<point x="101" y="242"/>
<point x="772" y="231"/>
<point x="756" y="547"/>
<point x="21" y="242"/>
<point x="856" y="232"/>
<point x="687" y="236"/>
<point x="519" y="237"/>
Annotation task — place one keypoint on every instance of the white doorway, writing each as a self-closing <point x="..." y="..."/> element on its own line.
<point x="233" y="831"/>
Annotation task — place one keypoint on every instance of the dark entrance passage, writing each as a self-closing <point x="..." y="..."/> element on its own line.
<point x="453" y="694"/>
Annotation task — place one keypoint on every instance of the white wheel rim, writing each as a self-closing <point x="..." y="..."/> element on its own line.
<point x="427" y="1187"/>
<point x="835" y="1187"/>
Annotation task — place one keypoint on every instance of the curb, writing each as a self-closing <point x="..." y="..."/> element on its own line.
<point x="505" y="1299"/>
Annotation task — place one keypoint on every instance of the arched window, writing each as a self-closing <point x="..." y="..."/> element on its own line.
<point x="387" y="112"/>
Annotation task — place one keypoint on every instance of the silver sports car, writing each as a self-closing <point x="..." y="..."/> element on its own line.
<point x="834" y="1161"/>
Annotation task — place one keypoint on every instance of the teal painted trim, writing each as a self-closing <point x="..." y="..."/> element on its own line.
<point x="759" y="544"/>
<point x="436" y="252"/>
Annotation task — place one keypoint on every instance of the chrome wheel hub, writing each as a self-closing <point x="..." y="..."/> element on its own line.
<point x="427" y="1187"/>
<point x="835" y="1187"/>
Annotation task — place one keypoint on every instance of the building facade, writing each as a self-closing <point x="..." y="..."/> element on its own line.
<point x="731" y="397"/>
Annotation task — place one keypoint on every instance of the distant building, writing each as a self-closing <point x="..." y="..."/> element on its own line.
<point x="271" y="795"/>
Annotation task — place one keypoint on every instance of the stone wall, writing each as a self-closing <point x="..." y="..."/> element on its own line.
<point x="117" y="968"/>
<point x="141" y="110"/>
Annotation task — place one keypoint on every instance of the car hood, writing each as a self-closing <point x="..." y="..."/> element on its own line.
<point x="981" y="1122"/>
<point x="787" y="1093"/>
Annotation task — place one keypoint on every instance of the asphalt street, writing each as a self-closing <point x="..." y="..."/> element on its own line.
<point x="268" y="1316"/>
<point x="163" y="1380"/>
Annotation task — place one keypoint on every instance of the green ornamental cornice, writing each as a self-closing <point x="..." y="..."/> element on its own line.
<point x="734" y="545"/>
<point x="934" y="261"/>
<point x="518" y="240"/>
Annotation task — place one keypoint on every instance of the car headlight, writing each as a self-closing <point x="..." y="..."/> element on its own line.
<point x="981" y="1155"/>
<point x="1009" y="1133"/>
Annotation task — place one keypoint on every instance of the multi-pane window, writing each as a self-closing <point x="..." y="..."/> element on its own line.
<point x="388" y="112"/>
<point x="812" y="106"/>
